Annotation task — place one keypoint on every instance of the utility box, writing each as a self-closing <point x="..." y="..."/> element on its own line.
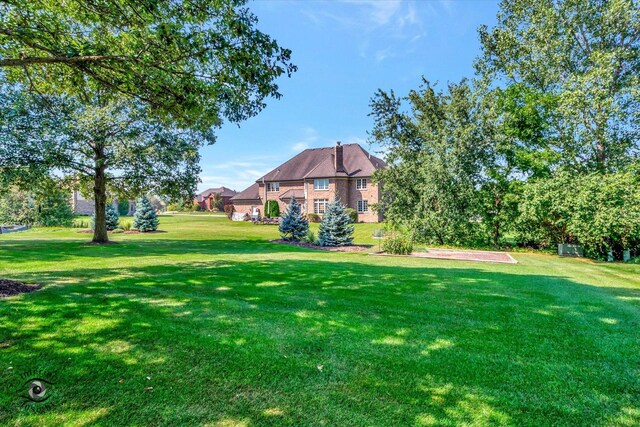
<point x="626" y="255"/>
<point x="570" y="250"/>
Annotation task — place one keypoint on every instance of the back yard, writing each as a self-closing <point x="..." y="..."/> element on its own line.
<point x="210" y="324"/>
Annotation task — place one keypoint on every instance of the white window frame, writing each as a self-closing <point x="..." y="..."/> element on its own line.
<point x="320" y="202"/>
<point x="273" y="187"/>
<point x="362" y="206"/>
<point x="361" y="183"/>
<point x="324" y="187"/>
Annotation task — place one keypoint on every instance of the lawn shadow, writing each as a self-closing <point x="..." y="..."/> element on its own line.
<point x="258" y="342"/>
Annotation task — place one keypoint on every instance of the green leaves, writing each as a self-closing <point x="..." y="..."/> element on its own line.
<point x="194" y="64"/>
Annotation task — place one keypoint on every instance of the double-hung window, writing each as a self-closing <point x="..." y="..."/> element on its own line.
<point x="361" y="184"/>
<point x="363" y="206"/>
<point x="320" y="184"/>
<point x="273" y="187"/>
<point x="320" y="206"/>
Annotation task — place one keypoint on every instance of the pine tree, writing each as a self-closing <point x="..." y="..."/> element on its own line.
<point x="336" y="228"/>
<point x="293" y="226"/>
<point x="112" y="218"/>
<point x="145" y="218"/>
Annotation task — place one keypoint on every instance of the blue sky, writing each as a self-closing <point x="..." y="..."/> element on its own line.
<point x="345" y="51"/>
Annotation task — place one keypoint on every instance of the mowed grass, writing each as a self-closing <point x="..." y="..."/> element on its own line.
<point x="210" y="324"/>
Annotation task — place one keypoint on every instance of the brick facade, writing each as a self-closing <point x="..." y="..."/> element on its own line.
<point x="342" y="169"/>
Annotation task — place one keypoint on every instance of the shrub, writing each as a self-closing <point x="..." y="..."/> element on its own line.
<point x="271" y="209"/>
<point x="353" y="214"/>
<point x="118" y="231"/>
<point x="293" y="225"/>
<point x="126" y="225"/>
<point x="397" y="244"/>
<point x="310" y="238"/>
<point x="80" y="223"/>
<point x="228" y="210"/>
<point x="197" y="207"/>
<point x="312" y="217"/>
<point x="335" y="229"/>
<point x="145" y="218"/>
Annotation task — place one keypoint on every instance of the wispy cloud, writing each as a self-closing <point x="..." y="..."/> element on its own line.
<point x="400" y="24"/>
<point x="309" y="138"/>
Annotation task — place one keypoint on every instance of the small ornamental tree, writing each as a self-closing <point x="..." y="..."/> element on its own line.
<point x="336" y="228"/>
<point x="145" y="218"/>
<point x="293" y="226"/>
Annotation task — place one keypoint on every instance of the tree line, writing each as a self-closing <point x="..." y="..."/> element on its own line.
<point x="539" y="147"/>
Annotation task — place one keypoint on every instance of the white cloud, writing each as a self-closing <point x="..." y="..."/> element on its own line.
<point x="309" y="139"/>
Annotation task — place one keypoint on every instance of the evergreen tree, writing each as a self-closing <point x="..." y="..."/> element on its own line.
<point x="145" y="218"/>
<point x="112" y="218"/>
<point x="293" y="226"/>
<point x="336" y="228"/>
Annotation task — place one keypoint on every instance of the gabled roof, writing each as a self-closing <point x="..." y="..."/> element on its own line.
<point x="223" y="191"/>
<point x="251" y="193"/>
<point x="320" y="163"/>
<point x="294" y="192"/>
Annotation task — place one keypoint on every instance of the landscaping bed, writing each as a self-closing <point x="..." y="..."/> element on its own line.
<point x="350" y="248"/>
<point x="11" y="287"/>
<point x="462" y="255"/>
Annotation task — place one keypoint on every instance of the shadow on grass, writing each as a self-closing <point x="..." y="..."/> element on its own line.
<point x="319" y="342"/>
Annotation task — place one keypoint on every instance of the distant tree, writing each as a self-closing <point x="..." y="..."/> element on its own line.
<point x="123" y="207"/>
<point x="145" y="218"/>
<point x="271" y="209"/>
<point x="335" y="228"/>
<point x="42" y="206"/>
<point x="293" y="225"/>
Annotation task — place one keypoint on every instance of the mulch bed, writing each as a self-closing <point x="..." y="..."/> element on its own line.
<point x="351" y="248"/>
<point x="10" y="287"/>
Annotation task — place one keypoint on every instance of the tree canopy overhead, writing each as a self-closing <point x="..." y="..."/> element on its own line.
<point x="193" y="62"/>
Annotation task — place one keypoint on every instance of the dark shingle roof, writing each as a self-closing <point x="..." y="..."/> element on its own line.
<point x="251" y="193"/>
<point x="320" y="163"/>
<point x="223" y="191"/>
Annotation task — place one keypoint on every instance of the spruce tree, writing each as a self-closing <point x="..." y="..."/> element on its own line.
<point x="336" y="228"/>
<point x="145" y="218"/>
<point x="293" y="226"/>
<point x="112" y="218"/>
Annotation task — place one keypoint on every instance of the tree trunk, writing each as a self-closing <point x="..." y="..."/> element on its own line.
<point x="100" y="199"/>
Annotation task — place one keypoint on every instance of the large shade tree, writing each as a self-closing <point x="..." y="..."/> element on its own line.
<point x="131" y="87"/>
<point x="582" y="59"/>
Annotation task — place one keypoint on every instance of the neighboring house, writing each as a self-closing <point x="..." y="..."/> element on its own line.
<point x="315" y="178"/>
<point x="82" y="206"/>
<point x="206" y="199"/>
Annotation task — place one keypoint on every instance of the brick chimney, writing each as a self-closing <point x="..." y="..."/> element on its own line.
<point x="339" y="158"/>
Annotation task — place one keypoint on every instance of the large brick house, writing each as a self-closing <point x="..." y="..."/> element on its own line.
<point x="207" y="198"/>
<point x="315" y="178"/>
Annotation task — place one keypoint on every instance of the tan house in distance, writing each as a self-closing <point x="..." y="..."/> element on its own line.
<point x="315" y="178"/>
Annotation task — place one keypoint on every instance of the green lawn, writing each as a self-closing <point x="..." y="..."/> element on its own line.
<point x="210" y="324"/>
